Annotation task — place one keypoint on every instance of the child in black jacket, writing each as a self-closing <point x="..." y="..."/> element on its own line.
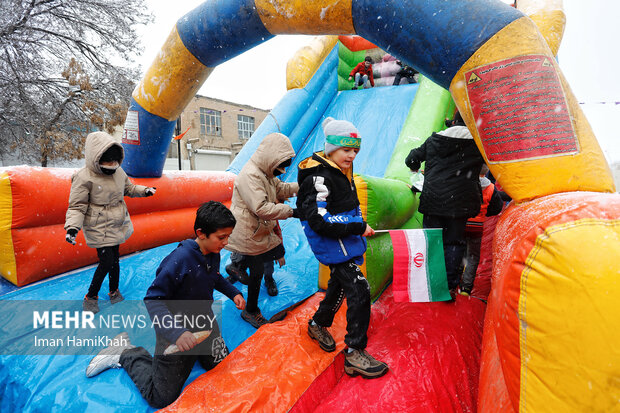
<point x="332" y="221"/>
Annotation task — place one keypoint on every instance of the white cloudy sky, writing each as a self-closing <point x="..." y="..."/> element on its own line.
<point x="588" y="57"/>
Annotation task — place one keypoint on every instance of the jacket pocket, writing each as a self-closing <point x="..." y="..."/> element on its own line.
<point x="262" y="230"/>
<point x="92" y="217"/>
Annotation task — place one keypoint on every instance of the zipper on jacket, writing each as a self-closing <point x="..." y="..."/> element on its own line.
<point x="344" y="250"/>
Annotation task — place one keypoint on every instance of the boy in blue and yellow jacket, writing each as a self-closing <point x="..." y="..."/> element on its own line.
<point x="330" y="215"/>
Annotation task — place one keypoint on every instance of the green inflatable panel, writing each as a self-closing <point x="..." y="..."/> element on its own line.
<point x="389" y="204"/>
<point x="431" y="105"/>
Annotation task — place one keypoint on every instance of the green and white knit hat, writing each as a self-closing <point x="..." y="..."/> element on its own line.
<point x="340" y="133"/>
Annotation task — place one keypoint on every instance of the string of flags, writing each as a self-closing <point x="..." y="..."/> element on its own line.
<point x="600" y="103"/>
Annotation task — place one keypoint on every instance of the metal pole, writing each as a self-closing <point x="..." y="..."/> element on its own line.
<point x="177" y="133"/>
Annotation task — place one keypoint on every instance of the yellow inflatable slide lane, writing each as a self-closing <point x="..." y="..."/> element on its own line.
<point x="551" y="328"/>
<point x="549" y="335"/>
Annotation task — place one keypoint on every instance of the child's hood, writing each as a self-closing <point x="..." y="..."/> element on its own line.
<point x="454" y="140"/>
<point x="96" y="144"/>
<point x="272" y="151"/>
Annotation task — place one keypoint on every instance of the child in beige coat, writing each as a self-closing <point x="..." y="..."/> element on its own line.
<point x="257" y="204"/>
<point x="97" y="206"/>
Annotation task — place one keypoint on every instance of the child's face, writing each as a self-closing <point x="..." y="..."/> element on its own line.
<point x="109" y="163"/>
<point x="343" y="157"/>
<point x="215" y="241"/>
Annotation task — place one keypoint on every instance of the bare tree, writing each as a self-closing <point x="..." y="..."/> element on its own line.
<point x="66" y="67"/>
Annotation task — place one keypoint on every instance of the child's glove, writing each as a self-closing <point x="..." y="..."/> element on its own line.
<point x="71" y="235"/>
<point x="295" y="213"/>
<point x="150" y="191"/>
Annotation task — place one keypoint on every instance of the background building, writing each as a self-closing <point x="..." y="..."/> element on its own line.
<point x="217" y="131"/>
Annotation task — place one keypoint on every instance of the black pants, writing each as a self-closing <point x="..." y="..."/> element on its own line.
<point x="473" y="260"/>
<point x="160" y="379"/>
<point x="348" y="281"/>
<point x="256" y="265"/>
<point x="237" y="260"/>
<point x="108" y="264"/>
<point x="397" y="78"/>
<point x="453" y="244"/>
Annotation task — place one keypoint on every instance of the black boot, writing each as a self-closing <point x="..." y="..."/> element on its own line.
<point x="272" y="288"/>
<point x="237" y="274"/>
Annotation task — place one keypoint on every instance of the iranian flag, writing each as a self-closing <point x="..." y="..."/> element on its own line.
<point x="419" y="266"/>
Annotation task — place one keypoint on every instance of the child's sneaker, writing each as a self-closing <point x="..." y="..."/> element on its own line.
<point x="272" y="288"/>
<point x="237" y="274"/>
<point x="116" y="297"/>
<point x="90" y="304"/>
<point x="322" y="335"/>
<point x="110" y="356"/>
<point x="255" y="319"/>
<point x="465" y="291"/>
<point x="360" y="362"/>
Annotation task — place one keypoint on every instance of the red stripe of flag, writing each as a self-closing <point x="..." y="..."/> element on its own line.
<point x="400" y="281"/>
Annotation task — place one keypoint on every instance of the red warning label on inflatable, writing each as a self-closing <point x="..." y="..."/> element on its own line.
<point x="520" y="109"/>
<point x="131" y="131"/>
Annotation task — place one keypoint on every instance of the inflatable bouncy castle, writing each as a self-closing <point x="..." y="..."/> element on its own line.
<point x="545" y="339"/>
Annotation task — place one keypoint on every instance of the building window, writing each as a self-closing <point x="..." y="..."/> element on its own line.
<point x="245" y="124"/>
<point x="210" y="122"/>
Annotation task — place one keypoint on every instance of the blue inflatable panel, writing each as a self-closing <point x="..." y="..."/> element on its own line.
<point x="436" y="37"/>
<point x="218" y="30"/>
<point x="287" y="114"/>
<point x="315" y="112"/>
<point x="146" y="160"/>
<point x="58" y="383"/>
<point x="279" y="118"/>
<point x="6" y="286"/>
<point x="378" y="113"/>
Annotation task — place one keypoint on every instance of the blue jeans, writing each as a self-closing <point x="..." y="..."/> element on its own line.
<point x="364" y="80"/>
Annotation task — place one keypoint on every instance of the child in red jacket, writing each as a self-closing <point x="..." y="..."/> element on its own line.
<point x="363" y="74"/>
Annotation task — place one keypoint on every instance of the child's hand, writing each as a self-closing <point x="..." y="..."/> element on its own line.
<point x="295" y="213"/>
<point x="350" y="78"/>
<point x="281" y="262"/>
<point x="71" y="235"/>
<point x="186" y="341"/>
<point x="239" y="301"/>
<point x="150" y="191"/>
<point x="369" y="232"/>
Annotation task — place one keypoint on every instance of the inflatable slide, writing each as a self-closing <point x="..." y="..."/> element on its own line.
<point x="549" y="327"/>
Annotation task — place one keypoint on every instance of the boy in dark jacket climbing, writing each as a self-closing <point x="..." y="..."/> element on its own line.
<point x="182" y="290"/>
<point x="330" y="215"/>
<point x="451" y="192"/>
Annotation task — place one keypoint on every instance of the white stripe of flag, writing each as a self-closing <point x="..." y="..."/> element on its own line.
<point x="419" y="267"/>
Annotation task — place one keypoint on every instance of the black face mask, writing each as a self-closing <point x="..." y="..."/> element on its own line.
<point x="108" y="171"/>
<point x="281" y="168"/>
